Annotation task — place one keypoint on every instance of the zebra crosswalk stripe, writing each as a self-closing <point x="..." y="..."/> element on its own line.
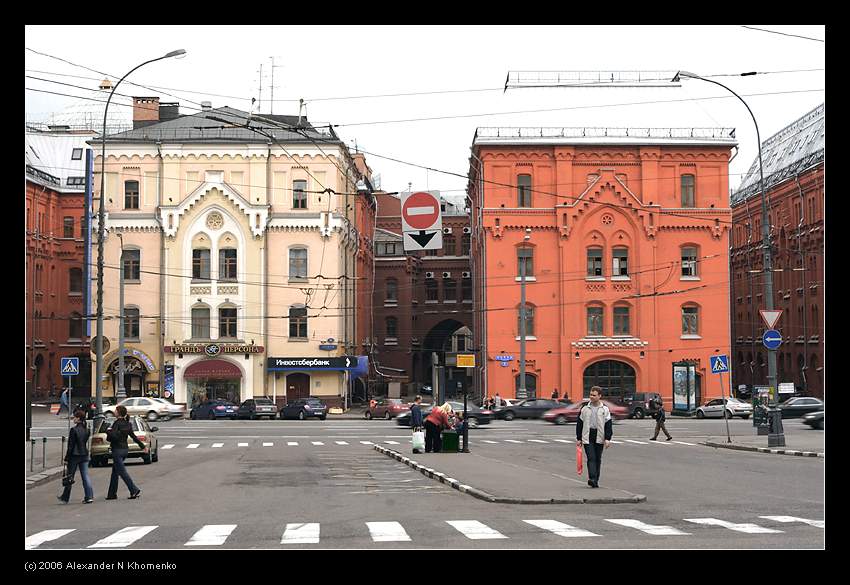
<point x="636" y="442"/>
<point x="684" y="443"/>
<point x="40" y="538"/>
<point x="292" y="443"/>
<point x="816" y="523"/>
<point x="537" y="441"/>
<point x="563" y="441"/>
<point x="341" y="443"/>
<point x="475" y="530"/>
<point x="317" y="442"/>
<point x="366" y="443"/>
<point x="648" y="528"/>
<point x="391" y="442"/>
<point x="560" y="528"/>
<point x="616" y="442"/>
<point x="193" y="445"/>
<point x="268" y="444"/>
<point x="301" y="534"/>
<point x="491" y="442"/>
<point x="124" y="537"/>
<point x="242" y="444"/>
<point x="512" y="441"/>
<point x="737" y="527"/>
<point x="388" y="532"/>
<point x="217" y="445"/>
<point x="171" y="446"/>
<point x="211" y="535"/>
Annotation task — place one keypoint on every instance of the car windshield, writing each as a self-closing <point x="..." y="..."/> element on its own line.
<point x="315" y="403"/>
<point x="262" y="401"/>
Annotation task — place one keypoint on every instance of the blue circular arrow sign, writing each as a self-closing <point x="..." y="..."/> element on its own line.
<point x="772" y="339"/>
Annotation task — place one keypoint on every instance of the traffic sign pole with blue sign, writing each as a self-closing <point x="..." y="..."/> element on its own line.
<point x="719" y="365"/>
<point x="69" y="366"/>
<point x="772" y="339"/>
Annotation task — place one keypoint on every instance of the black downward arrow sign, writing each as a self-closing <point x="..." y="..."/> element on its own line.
<point x="422" y="238"/>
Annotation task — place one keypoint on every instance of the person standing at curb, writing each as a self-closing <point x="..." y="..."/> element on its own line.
<point x="660" y="417"/>
<point x="77" y="456"/>
<point x="435" y="422"/>
<point x="555" y="394"/>
<point x="416" y="413"/>
<point x="117" y="437"/>
<point x="594" y="429"/>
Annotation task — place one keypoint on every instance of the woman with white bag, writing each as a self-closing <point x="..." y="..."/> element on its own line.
<point x="416" y="422"/>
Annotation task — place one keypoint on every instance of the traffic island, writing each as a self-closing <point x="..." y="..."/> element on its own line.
<point x="475" y="468"/>
<point x="753" y="448"/>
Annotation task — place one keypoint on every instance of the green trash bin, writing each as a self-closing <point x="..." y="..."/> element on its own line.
<point x="451" y="442"/>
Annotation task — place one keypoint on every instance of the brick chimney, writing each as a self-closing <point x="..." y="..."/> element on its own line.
<point x="145" y="111"/>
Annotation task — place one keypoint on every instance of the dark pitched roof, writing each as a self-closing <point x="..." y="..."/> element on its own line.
<point x="226" y="124"/>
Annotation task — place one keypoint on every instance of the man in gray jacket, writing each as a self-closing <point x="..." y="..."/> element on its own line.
<point x="594" y="429"/>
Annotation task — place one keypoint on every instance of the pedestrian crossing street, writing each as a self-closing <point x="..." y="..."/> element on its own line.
<point x="401" y="441"/>
<point x="311" y="533"/>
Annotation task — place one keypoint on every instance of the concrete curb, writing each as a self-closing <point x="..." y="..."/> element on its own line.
<point x="44" y="477"/>
<point x="482" y="495"/>
<point x="763" y="449"/>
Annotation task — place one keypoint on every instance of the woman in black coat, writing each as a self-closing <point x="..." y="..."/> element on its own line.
<point x="77" y="456"/>
<point x="117" y="436"/>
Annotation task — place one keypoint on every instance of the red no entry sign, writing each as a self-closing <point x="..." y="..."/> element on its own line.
<point x="421" y="211"/>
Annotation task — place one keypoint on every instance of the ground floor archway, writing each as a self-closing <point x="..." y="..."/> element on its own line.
<point x="213" y="379"/>
<point x="297" y="386"/>
<point x="616" y="378"/>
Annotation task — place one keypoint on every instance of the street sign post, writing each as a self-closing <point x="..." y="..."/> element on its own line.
<point x="69" y="366"/>
<point x="772" y="339"/>
<point x="466" y="360"/>
<point x="770" y="317"/>
<point x="421" y="221"/>
<point x="720" y="364"/>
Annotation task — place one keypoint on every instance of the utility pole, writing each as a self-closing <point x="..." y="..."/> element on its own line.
<point x="523" y="391"/>
<point x="260" y="102"/>
<point x="120" y="393"/>
<point x="271" y="109"/>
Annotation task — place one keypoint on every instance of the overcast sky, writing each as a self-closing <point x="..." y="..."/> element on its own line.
<point x="343" y="61"/>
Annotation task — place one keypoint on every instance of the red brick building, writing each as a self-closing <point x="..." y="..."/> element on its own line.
<point x="422" y="301"/>
<point x="56" y="237"/>
<point x="793" y="161"/>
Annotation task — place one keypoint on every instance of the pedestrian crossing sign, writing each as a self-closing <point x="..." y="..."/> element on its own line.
<point x="719" y="364"/>
<point x="70" y="366"/>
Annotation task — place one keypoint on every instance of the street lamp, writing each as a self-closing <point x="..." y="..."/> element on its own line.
<point x="776" y="438"/>
<point x="100" y="228"/>
<point x="120" y="392"/>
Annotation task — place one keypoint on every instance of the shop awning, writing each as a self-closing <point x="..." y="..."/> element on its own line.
<point x="213" y="369"/>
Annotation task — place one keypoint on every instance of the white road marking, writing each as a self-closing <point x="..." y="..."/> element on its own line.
<point x="560" y="528"/>
<point x="648" y="528"/>
<point x="40" y="538"/>
<point x="301" y="534"/>
<point x="566" y="441"/>
<point x="537" y="441"/>
<point x="816" y="523"/>
<point x="616" y="442"/>
<point x="211" y="535"/>
<point x="391" y="442"/>
<point x="491" y="442"/>
<point x="193" y="446"/>
<point x="742" y="527"/>
<point x="317" y="442"/>
<point x="387" y="532"/>
<point x="684" y="443"/>
<point x="292" y="443"/>
<point x="475" y="530"/>
<point x="268" y="444"/>
<point x="366" y="443"/>
<point x="124" y="537"/>
<point x="242" y="444"/>
<point x="171" y="446"/>
<point x="341" y="443"/>
<point x="217" y="445"/>
<point x="636" y="442"/>
<point x="512" y="441"/>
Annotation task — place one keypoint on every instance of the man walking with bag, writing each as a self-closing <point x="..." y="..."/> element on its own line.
<point x="660" y="417"/>
<point x="594" y="429"/>
<point x="416" y="422"/>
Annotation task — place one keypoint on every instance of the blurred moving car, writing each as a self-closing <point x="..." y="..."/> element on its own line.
<point x="255" y="408"/>
<point x="387" y="408"/>
<point x="733" y="407"/>
<point x="101" y="452"/>
<point x="529" y="408"/>
<point x="477" y="415"/>
<point x="800" y="406"/>
<point x="302" y="408"/>
<point x="426" y="390"/>
<point x="814" y="419"/>
<point x="140" y="406"/>
<point x="641" y="404"/>
<point x="175" y="410"/>
<point x="214" y="409"/>
<point x="569" y="412"/>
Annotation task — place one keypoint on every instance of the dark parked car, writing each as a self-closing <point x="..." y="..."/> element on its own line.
<point x="569" y="412"/>
<point x="641" y="404"/>
<point x="214" y="409"/>
<point x="387" y="408"/>
<point x="800" y="406"/>
<point x="814" y="419"/>
<point x="302" y="408"/>
<point x="530" y="408"/>
<point x="477" y="416"/>
<point x="255" y="408"/>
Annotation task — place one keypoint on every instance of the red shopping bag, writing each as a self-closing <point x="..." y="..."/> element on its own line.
<point x="579" y="463"/>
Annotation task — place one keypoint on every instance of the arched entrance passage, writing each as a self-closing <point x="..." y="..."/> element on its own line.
<point x="530" y="387"/>
<point x="219" y="379"/>
<point x="297" y="386"/>
<point x="134" y="376"/>
<point x="616" y="378"/>
<point x="441" y="339"/>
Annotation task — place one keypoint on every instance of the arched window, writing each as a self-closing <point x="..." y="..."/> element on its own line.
<point x="392" y="290"/>
<point x="690" y="259"/>
<point x="201" y="264"/>
<point x="298" y="322"/>
<point x="392" y="327"/>
<point x="298" y="263"/>
<point x="131" y="323"/>
<point x="75" y="326"/>
<point x="529" y="321"/>
<point x="525" y="257"/>
<point x="688" y="188"/>
<point x="227" y="322"/>
<point x="523" y="183"/>
<point x="75" y="281"/>
<point x="595" y="318"/>
<point x="200" y="323"/>
<point x="131" y="259"/>
<point x="622" y="325"/>
<point x="690" y="320"/>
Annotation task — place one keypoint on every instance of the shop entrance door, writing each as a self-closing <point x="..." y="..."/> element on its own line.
<point x="297" y="386"/>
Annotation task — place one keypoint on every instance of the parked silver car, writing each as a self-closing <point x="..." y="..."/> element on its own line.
<point x="141" y="406"/>
<point x="175" y="410"/>
<point x="732" y="406"/>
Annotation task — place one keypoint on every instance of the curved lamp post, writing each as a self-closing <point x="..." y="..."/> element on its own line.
<point x="776" y="437"/>
<point x="100" y="228"/>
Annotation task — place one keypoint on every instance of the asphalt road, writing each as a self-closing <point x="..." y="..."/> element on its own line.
<point x="317" y="484"/>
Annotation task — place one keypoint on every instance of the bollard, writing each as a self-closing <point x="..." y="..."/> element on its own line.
<point x="43" y="452"/>
<point x="32" y="452"/>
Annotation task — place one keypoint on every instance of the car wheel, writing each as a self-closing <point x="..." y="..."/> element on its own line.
<point x="639" y="413"/>
<point x="560" y="419"/>
<point x="473" y="422"/>
<point x="510" y="415"/>
<point x="155" y="456"/>
<point x="387" y="415"/>
<point x="746" y="416"/>
<point x="152" y="416"/>
<point x="146" y="459"/>
<point x="700" y="414"/>
<point x="323" y="417"/>
<point x="211" y="415"/>
<point x="368" y="415"/>
<point x="729" y="414"/>
<point x="301" y="415"/>
<point x="819" y="425"/>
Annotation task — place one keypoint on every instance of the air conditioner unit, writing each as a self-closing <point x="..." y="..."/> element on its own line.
<point x="466" y="274"/>
<point x="447" y="274"/>
<point x="467" y="230"/>
<point x="429" y="275"/>
<point x="447" y="230"/>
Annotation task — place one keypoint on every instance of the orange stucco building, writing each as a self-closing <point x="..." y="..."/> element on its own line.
<point x="624" y="234"/>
